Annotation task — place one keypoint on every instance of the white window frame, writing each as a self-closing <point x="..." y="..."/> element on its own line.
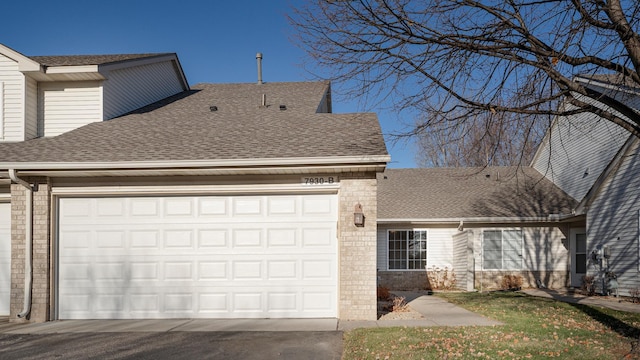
<point x="1" y="109"/>
<point x="502" y="257"/>
<point x="407" y="230"/>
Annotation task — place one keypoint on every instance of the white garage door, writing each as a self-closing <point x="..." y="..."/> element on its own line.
<point x="5" y="257"/>
<point x="197" y="257"/>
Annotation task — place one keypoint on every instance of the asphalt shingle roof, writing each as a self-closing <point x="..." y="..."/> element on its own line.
<point x="450" y="193"/>
<point x="183" y="127"/>
<point x="80" y="60"/>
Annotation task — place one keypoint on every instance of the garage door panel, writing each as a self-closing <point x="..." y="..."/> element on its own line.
<point x="162" y="302"/>
<point x="222" y="257"/>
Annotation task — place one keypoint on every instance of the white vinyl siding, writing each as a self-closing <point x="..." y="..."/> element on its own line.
<point x="131" y="88"/>
<point x="65" y="106"/>
<point x="13" y="100"/>
<point x="502" y="249"/>
<point x="463" y="260"/>
<point x="545" y="249"/>
<point x="5" y="258"/>
<point x="576" y="151"/>
<point x="1" y="109"/>
<point x="271" y="256"/>
<point x="613" y="219"/>
<point x="31" y="109"/>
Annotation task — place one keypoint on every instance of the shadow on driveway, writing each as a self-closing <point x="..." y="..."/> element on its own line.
<point x="174" y="345"/>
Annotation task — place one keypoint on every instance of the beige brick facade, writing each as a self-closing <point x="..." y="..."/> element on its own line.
<point x="403" y="280"/>
<point x="492" y="280"/>
<point x="40" y="251"/>
<point x="357" y="248"/>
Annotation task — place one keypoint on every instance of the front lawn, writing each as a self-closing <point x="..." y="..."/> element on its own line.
<point x="535" y="328"/>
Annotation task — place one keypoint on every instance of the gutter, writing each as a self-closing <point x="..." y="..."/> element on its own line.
<point x="185" y="164"/>
<point x="28" y="267"/>
<point x="554" y="218"/>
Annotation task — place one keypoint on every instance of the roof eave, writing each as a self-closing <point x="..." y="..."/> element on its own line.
<point x="375" y="163"/>
<point x="24" y="62"/>
<point x="173" y="57"/>
<point x="551" y="218"/>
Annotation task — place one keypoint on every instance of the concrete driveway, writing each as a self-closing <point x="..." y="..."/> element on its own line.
<point x="210" y="339"/>
<point x="173" y="345"/>
<point x="172" y="339"/>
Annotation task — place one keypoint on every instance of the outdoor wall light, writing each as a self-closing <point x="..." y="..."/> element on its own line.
<point x="358" y="216"/>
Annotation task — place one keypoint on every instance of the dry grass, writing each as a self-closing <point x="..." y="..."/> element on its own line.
<point x="535" y="328"/>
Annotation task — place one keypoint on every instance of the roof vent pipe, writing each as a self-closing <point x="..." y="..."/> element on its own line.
<point x="259" y="60"/>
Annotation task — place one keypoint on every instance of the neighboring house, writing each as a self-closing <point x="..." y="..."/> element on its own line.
<point x="219" y="201"/>
<point x="596" y="162"/>
<point x="574" y="213"/>
<point x="477" y="224"/>
<point x="49" y="95"/>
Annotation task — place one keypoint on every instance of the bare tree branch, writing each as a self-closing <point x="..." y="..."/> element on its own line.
<point x="499" y="65"/>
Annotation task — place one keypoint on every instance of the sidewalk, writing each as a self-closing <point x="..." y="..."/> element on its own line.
<point x="433" y="311"/>
<point x="576" y="298"/>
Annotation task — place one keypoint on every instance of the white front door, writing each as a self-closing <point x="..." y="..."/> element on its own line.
<point x="5" y="257"/>
<point x="271" y="256"/>
<point x="578" y="246"/>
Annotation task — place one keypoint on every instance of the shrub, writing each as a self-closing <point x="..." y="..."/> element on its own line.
<point x="441" y="279"/>
<point x="588" y="285"/>
<point x="510" y="282"/>
<point x="399" y="304"/>
<point x="383" y="293"/>
<point x="635" y="294"/>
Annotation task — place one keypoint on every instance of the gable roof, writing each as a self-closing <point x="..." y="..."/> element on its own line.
<point x="469" y="194"/>
<point x="183" y="131"/>
<point x="86" y="67"/>
<point x="82" y="60"/>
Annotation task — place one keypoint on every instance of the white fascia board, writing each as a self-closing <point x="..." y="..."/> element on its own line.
<point x="193" y="189"/>
<point x="478" y="220"/>
<point x="137" y="62"/>
<point x="24" y="63"/>
<point x="194" y="164"/>
<point x="607" y="85"/>
<point x="106" y="68"/>
<point x="72" y="69"/>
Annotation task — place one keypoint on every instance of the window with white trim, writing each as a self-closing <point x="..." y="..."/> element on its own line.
<point x="407" y="249"/>
<point x="502" y="249"/>
<point x="1" y="109"/>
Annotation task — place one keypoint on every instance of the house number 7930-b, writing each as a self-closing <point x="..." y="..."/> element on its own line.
<point x="320" y="180"/>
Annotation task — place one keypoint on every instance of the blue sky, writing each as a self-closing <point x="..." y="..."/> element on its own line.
<point x="216" y="41"/>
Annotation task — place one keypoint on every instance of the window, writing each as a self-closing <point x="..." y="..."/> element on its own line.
<point x="502" y="249"/>
<point x="1" y="109"/>
<point x="407" y="249"/>
<point x="581" y="254"/>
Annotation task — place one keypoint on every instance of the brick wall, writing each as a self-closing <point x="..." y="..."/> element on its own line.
<point x="357" y="248"/>
<point x="403" y="280"/>
<point x="41" y="279"/>
<point x="492" y="280"/>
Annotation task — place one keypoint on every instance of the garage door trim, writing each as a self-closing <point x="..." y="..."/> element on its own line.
<point x="191" y="193"/>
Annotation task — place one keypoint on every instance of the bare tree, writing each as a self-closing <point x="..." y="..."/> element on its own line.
<point x="481" y="141"/>
<point x="479" y="65"/>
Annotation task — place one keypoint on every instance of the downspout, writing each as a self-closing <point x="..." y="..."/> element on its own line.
<point x="28" y="274"/>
